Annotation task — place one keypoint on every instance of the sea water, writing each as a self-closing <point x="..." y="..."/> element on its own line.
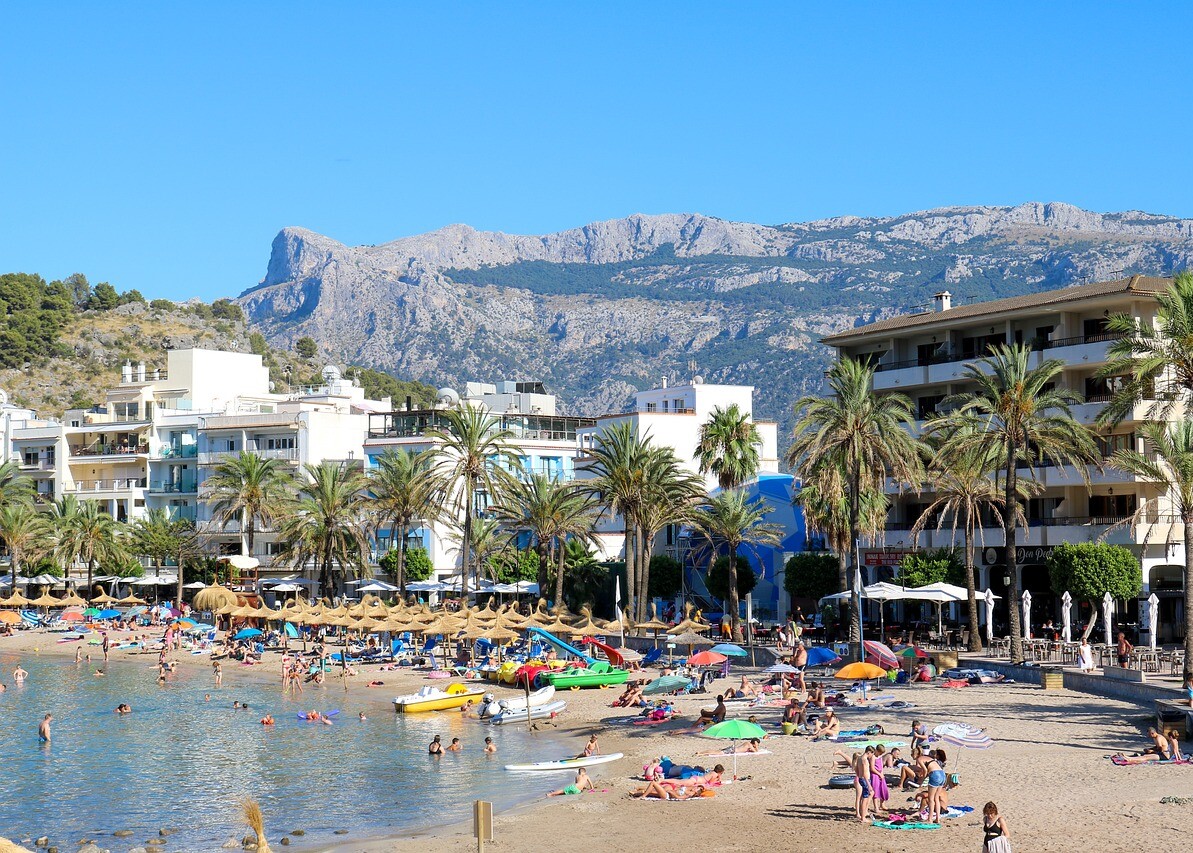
<point x="178" y="761"/>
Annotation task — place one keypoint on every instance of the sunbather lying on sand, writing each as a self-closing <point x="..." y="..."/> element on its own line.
<point x="672" y="791"/>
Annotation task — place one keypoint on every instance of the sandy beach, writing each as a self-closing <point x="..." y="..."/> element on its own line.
<point x="1048" y="772"/>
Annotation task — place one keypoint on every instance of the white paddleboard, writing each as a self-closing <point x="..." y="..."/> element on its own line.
<point x="566" y="763"/>
<point x="541" y="713"/>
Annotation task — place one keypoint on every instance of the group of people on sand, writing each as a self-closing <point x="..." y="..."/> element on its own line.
<point x="1165" y="746"/>
<point x="437" y="748"/>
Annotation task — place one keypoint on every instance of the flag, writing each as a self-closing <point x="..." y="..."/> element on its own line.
<point x="617" y="597"/>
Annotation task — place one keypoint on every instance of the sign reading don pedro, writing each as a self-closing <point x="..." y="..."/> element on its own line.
<point x="1023" y="554"/>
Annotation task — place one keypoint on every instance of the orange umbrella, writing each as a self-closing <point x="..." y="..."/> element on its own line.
<point x="8" y="617"/>
<point x="72" y="616"/>
<point x="860" y="670"/>
<point x="707" y="658"/>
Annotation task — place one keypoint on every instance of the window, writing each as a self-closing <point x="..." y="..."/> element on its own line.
<point x="285" y="442"/>
<point x="1110" y="444"/>
<point x="127" y="411"/>
<point x="928" y="405"/>
<point x="924" y="353"/>
<point x="148" y="410"/>
<point x="979" y="345"/>
<point x="30" y="457"/>
<point x="1111" y="506"/>
<point x="664" y="405"/>
<point x="651" y="407"/>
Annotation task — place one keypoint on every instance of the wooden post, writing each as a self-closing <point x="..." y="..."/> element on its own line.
<point x="482" y="823"/>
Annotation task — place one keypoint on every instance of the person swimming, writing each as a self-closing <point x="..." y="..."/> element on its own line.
<point x="267" y="720"/>
<point x="490" y="747"/>
<point x="435" y="747"/>
<point x="122" y="708"/>
<point x="455" y="745"/>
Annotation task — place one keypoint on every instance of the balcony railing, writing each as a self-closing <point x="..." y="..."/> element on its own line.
<point x="1098" y="338"/>
<point x="118" y="484"/>
<point x="419" y="423"/>
<point x="215" y="457"/>
<point x="109" y="450"/>
<point x="180" y="451"/>
<point x="39" y="465"/>
<point x="181" y="513"/>
<point x="174" y="486"/>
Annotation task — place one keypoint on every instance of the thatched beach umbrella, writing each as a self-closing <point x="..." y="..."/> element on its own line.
<point x="689" y="639"/>
<point x="14" y="600"/>
<point x="103" y="598"/>
<point x="654" y="624"/>
<point x="74" y="600"/>
<point x="210" y="598"/>
<point x="131" y="599"/>
<point x="46" y="600"/>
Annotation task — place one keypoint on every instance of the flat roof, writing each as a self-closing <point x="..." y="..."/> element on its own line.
<point x="1141" y="284"/>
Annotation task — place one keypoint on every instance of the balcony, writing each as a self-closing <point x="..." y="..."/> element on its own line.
<point x="179" y="451"/>
<point x="181" y="513"/>
<point x="120" y="484"/>
<point x="210" y="457"/>
<point x="174" y="487"/>
<point x="38" y="465"/>
<point x="109" y="450"/>
<point x="419" y="424"/>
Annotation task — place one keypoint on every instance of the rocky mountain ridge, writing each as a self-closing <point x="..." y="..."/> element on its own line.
<point x="601" y="310"/>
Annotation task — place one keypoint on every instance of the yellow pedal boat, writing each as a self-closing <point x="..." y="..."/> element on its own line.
<point x="433" y="699"/>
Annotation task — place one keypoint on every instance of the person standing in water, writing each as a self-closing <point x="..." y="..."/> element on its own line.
<point x="43" y="730"/>
<point x="19" y="675"/>
<point x="78" y="654"/>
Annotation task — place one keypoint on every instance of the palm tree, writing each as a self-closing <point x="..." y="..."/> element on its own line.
<point x="1016" y="414"/>
<point x="864" y="435"/>
<point x="15" y="487"/>
<point x="403" y="488"/>
<point x="152" y="536"/>
<point x="91" y="535"/>
<point x="475" y="453"/>
<point x="731" y="520"/>
<point x="25" y="533"/>
<point x="670" y="495"/>
<point x="728" y="446"/>
<point x="247" y="489"/>
<point x="822" y="497"/>
<point x="1169" y="465"/>
<point x="617" y="462"/>
<point x="549" y="511"/>
<point x="488" y="541"/>
<point x="963" y="486"/>
<point x="1147" y="356"/>
<point x="328" y="524"/>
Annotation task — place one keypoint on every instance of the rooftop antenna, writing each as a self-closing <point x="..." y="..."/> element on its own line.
<point x="691" y="365"/>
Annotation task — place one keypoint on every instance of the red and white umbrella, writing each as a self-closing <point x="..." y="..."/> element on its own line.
<point x="880" y="654"/>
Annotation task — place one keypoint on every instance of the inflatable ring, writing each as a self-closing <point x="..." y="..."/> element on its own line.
<point x="844" y="780"/>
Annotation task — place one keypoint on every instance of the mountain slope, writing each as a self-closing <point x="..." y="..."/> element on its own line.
<point x="599" y="311"/>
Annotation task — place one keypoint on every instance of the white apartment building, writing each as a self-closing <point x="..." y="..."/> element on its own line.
<point x="547" y="444"/>
<point x="671" y="416"/>
<point x="158" y="435"/>
<point x="924" y="355"/>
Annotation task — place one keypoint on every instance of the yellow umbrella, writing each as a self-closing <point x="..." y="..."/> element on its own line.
<point x="7" y="617"/>
<point x="860" y="670"/>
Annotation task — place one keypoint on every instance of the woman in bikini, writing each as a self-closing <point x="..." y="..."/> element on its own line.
<point x="997" y="838"/>
<point x="936" y="779"/>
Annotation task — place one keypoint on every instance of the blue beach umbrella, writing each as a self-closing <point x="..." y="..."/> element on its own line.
<point x="729" y="650"/>
<point x="107" y="614"/>
<point x="247" y="633"/>
<point x="820" y="655"/>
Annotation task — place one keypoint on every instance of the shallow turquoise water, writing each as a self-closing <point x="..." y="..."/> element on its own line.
<point x="179" y="761"/>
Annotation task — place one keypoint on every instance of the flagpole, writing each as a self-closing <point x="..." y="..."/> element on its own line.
<point x="857" y="585"/>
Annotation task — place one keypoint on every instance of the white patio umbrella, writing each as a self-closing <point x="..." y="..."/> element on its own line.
<point x="1066" y="628"/>
<point x="1153" y="618"/>
<point x="989" y="598"/>
<point x="1027" y="614"/>
<point x="1108" y="617"/>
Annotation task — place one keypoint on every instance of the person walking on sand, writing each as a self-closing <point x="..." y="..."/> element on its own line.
<point x="862" y="790"/>
<point x="1085" y="656"/>
<point x="997" y="839"/>
<point x="43" y="730"/>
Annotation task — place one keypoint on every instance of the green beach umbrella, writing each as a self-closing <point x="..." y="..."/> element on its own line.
<point x="91" y="611"/>
<point x="735" y="730"/>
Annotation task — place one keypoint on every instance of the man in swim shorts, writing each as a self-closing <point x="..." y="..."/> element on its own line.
<point x="19" y="675"/>
<point x="863" y="791"/>
<point x="43" y="730"/>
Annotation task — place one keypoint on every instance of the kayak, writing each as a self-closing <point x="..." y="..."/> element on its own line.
<point x="330" y="713"/>
<point x="600" y="674"/>
<point x="542" y="712"/>
<point x="565" y="763"/>
<point x="432" y="699"/>
<point x="519" y="703"/>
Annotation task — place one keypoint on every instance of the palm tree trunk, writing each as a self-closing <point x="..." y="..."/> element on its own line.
<point x="1008" y="526"/>
<point x="178" y="600"/>
<point x="631" y="577"/>
<point x="1188" y="673"/>
<point x="734" y="598"/>
<point x="540" y="550"/>
<point x="402" y="562"/>
<point x="844" y="606"/>
<point x="466" y="541"/>
<point x="855" y="511"/>
<point x="975" y="634"/>
<point x="90" y="574"/>
<point x="559" y="574"/>
<point x="645" y="543"/>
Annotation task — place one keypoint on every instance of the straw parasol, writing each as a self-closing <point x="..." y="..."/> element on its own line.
<point x="46" y="600"/>
<point x="654" y="624"/>
<point x="14" y="600"/>
<point x="131" y="599"/>
<point x="74" y="600"/>
<point x="500" y="635"/>
<point x="103" y="598"/>
<point x="561" y="627"/>
<point x="210" y="598"/>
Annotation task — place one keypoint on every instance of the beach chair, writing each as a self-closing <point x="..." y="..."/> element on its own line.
<point x="651" y="656"/>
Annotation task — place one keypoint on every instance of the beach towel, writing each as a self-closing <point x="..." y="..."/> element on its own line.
<point x="1120" y="761"/>
<point x="730" y="754"/>
<point x="862" y="744"/>
<point x="904" y="824"/>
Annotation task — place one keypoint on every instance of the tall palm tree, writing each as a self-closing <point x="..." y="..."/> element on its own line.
<point x="328" y="523"/>
<point x="730" y="520"/>
<point x="487" y="542"/>
<point x="963" y="486"/>
<point x="152" y="536"/>
<point x="617" y="462"/>
<point x="91" y="536"/>
<point x="475" y="454"/>
<point x="26" y="534"/>
<point x="404" y="494"/>
<point x="1016" y="413"/>
<point x="247" y="489"/>
<point x="549" y="511"/>
<point x="1147" y="356"/>
<point x="1169" y="465"/>
<point x="866" y="435"/>
<point x="14" y="486"/>
<point x="729" y="446"/>
<point x="670" y="495"/>
<point x="823" y="498"/>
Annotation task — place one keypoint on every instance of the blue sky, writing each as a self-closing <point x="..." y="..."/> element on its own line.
<point x="162" y="145"/>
